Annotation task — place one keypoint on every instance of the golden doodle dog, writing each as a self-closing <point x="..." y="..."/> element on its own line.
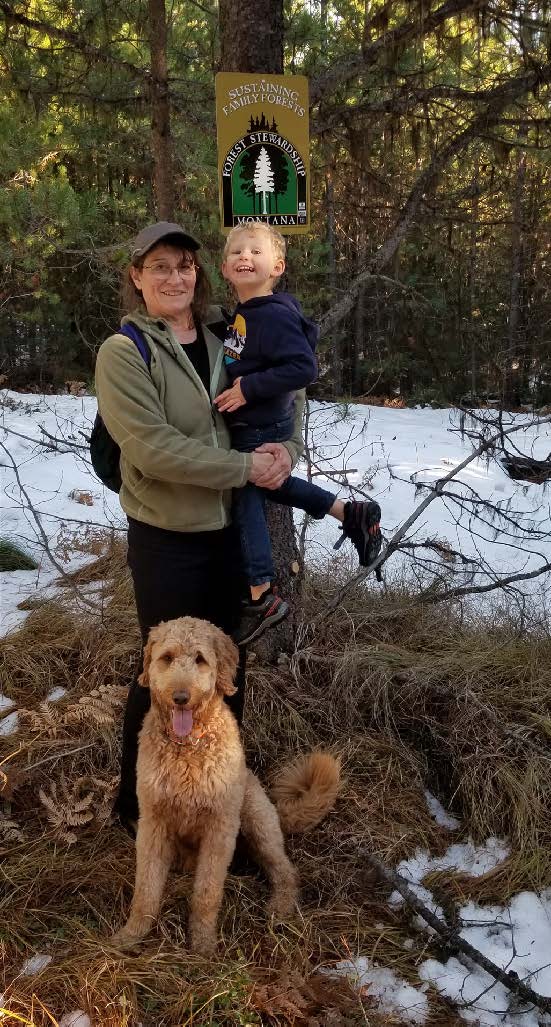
<point x="195" y="791"/>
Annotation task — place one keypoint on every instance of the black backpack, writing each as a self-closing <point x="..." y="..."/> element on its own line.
<point x="104" y="451"/>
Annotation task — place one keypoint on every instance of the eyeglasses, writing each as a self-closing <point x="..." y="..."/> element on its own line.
<point x="163" y="270"/>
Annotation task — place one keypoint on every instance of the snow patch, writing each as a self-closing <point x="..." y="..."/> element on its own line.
<point x="390" y="993"/>
<point x="418" y="444"/>
<point x="10" y="724"/>
<point x="441" y="815"/>
<point x="56" y="694"/>
<point x="516" y="938"/>
<point x="78" y="1018"/>
<point x="466" y="857"/>
<point x="35" y="964"/>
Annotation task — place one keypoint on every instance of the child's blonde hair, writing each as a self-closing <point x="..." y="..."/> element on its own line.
<point x="278" y="242"/>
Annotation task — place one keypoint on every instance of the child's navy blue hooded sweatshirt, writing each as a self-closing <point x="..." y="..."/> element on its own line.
<point x="270" y="346"/>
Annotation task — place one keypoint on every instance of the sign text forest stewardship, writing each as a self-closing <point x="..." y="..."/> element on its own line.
<point x="263" y="150"/>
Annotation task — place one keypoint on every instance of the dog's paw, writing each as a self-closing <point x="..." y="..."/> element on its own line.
<point x="202" y="942"/>
<point x="282" y="905"/>
<point x="124" y="940"/>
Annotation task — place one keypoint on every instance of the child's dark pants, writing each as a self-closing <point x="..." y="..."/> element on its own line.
<point x="249" y="511"/>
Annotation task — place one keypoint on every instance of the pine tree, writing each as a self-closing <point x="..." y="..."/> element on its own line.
<point x="263" y="177"/>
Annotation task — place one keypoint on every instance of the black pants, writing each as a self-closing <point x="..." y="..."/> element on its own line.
<point x="178" y="574"/>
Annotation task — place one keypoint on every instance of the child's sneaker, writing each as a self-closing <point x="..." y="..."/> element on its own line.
<point x="362" y="526"/>
<point x="257" y="617"/>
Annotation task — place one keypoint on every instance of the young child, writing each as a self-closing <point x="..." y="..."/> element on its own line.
<point x="269" y="354"/>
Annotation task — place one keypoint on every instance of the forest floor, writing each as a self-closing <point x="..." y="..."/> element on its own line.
<point x="415" y="704"/>
<point x="428" y="707"/>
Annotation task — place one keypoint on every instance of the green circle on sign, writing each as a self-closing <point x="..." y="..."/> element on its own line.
<point x="264" y="181"/>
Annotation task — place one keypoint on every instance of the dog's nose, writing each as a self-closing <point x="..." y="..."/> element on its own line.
<point x="180" y="698"/>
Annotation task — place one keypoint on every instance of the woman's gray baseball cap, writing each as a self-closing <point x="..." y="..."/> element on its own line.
<point x="153" y="234"/>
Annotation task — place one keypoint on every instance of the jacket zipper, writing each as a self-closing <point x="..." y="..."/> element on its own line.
<point x="209" y="397"/>
<point x="213" y="383"/>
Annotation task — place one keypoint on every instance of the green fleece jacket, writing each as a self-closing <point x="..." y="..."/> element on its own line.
<point x="177" y="466"/>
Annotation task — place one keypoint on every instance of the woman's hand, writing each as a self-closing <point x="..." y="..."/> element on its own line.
<point x="231" y="399"/>
<point x="279" y="470"/>
<point x="261" y="465"/>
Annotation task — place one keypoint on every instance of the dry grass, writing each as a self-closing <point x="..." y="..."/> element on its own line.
<point x="409" y="700"/>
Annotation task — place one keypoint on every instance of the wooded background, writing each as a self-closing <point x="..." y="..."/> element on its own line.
<point x="428" y="264"/>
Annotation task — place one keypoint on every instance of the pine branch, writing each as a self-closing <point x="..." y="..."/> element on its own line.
<point x="404" y="101"/>
<point x="342" y="71"/>
<point x="94" y="53"/>
<point x="500" y="97"/>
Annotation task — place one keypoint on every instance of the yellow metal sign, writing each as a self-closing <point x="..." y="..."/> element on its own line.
<point x="263" y="150"/>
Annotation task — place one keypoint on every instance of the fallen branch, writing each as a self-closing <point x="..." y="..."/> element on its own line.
<point x="453" y="940"/>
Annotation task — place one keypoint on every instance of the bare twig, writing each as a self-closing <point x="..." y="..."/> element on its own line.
<point x="437" y="490"/>
<point x="64" y="442"/>
<point x="468" y="590"/>
<point x="42" y="534"/>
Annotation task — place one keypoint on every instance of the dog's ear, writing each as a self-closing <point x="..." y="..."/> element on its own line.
<point x="227" y="658"/>
<point x="144" y="676"/>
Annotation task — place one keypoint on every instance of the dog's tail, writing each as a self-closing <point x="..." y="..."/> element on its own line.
<point x="306" y="790"/>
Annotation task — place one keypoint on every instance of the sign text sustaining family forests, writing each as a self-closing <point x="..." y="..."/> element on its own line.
<point x="263" y="150"/>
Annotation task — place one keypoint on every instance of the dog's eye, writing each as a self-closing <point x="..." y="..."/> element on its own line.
<point x="167" y="659"/>
<point x="200" y="659"/>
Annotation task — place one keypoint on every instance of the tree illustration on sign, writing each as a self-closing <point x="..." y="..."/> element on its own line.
<point x="279" y="200"/>
<point x="263" y="178"/>
<point x="246" y="173"/>
<point x="281" y="173"/>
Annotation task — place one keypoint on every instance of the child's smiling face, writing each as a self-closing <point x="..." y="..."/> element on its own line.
<point x="251" y="264"/>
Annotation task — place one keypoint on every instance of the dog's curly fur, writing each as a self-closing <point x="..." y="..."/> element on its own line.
<point x="195" y="792"/>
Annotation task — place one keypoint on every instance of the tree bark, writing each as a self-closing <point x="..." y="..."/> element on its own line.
<point x="161" y="138"/>
<point x="512" y="369"/>
<point x="358" y="344"/>
<point x="471" y="289"/>
<point x="251" y="36"/>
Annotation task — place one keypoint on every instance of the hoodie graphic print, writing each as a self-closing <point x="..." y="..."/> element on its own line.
<point x="270" y="345"/>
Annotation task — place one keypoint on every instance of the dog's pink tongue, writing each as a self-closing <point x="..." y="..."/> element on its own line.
<point x="182" y="722"/>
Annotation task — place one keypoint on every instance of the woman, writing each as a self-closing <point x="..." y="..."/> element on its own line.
<point x="176" y="463"/>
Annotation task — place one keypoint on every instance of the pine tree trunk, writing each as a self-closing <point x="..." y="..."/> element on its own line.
<point x="336" y="350"/>
<point x="511" y="388"/>
<point x="251" y="35"/>
<point x="471" y="289"/>
<point x="336" y="355"/>
<point x="534" y="324"/>
<point x="161" y="138"/>
<point x="358" y="343"/>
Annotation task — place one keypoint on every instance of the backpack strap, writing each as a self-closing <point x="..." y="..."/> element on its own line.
<point x="132" y="332"/>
